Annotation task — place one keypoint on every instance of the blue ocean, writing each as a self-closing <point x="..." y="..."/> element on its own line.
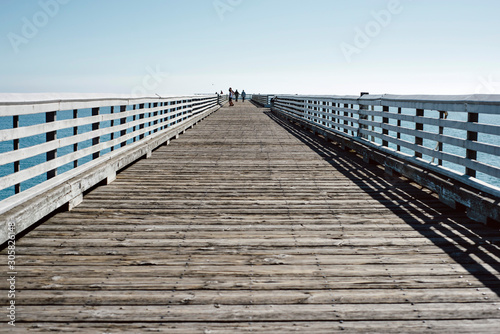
<point x="27" y="120"/>
<point x="489" y="159"/>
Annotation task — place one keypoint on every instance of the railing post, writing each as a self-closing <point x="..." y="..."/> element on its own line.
<point x="75" y="133"/>
<point x="332" y="114"/>
<point x="328" y="115"/>
<point x="165" y="115"/>
<point x="141" y="116"/>
<point x="161" y="121"/>
<point x="398" y="135"/>
<point x="472" y="117"/>
<point x="95" y="127"/>
<point x="419" y="127"/>
<point x="362" y="116"/>
<point x="351" y="115"/>
<point x="337" y="119"/>
<point x="112" y="125"/>
<point x="148" y="124"/>
<point x="123" y="121"/>
<point x="372" y="108"/>
<point x="17" y="164"/>
<point x="346" y="114"/>
<point x="385" y="120"/>
<point x="322" y="110"/>
<point x="155" y="105"/>
<point x="134" y="118"/>
<point x="50" y="136"/>
<point x="442" y="115"/>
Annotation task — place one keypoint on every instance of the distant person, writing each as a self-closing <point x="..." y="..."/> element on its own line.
<point x="221" y="93"/>
<point x="231" y="95"/>
<point x="243" y="95"/>
<point x="273" y="101"/>
<point x="236" y="94"/>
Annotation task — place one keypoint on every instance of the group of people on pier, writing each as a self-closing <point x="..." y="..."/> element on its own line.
<point x="235" y="95"/>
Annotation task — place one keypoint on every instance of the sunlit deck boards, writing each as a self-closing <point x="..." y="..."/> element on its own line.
<point x="246" y="224"/>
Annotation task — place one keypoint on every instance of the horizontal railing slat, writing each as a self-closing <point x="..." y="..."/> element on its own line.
<point x="9" y="108"/>
<point x="458" y="142"/>
<point x="331" y="123"/>
<point x="343" y="126"/>
<point x="467" y="163"/>
<point x="31" y="151"/>
<point x="446" y="123"/>
<point x="341" y="117"/>
<point x="33" y="130"/>
<point x="12" y="156"/>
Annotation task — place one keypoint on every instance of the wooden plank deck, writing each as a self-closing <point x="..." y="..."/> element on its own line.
<point x="246" y="224"/>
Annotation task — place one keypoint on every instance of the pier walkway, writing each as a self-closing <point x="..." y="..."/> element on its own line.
<point x="247" y="223"/>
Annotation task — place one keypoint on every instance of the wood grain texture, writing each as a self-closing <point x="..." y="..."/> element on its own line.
<point x="248" y="224"/>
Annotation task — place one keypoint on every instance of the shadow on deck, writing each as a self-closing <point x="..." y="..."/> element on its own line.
<point x="470" y="244"/>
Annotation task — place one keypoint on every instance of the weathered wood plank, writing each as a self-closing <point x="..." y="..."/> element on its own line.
<point x="147" y="269"/>
<point x="122" y="282"/>
<point x="289" y="241"/>
<point x="324" y="327"/>
<point x="297" y="312"/>
<point x="256" y="297"/>
<point x="202" y="258"/>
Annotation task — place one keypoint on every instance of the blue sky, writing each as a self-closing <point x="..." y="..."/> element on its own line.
<point x="262" y="46"/>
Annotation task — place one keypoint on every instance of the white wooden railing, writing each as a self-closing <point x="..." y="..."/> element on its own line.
<point x="264" y="100"/>
<point x="456" y="136"/>
<point x="78" y="142"/>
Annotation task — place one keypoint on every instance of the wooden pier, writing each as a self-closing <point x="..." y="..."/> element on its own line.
<point x="249" y="224"/>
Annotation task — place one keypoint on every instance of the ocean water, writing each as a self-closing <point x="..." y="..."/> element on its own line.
<point x="447" y="148"/>
<point x="27" y="120"/>
<point x="6" y="146"/>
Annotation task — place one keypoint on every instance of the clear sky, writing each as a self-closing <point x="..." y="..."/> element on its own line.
<point x="262" y="46"/>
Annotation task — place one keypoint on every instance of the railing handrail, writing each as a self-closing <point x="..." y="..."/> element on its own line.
<point x="471" y="98"/>
<point x="25" y="104"/>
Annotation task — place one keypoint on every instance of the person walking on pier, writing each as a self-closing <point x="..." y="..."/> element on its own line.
<point x="231" y="95"/>
<point x="243" y="95"/>
<point x="236" y="94"/>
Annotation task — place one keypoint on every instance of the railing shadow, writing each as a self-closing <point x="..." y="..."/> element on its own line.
<point x="259" y="106"/>
<point x="470" y="244"/>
